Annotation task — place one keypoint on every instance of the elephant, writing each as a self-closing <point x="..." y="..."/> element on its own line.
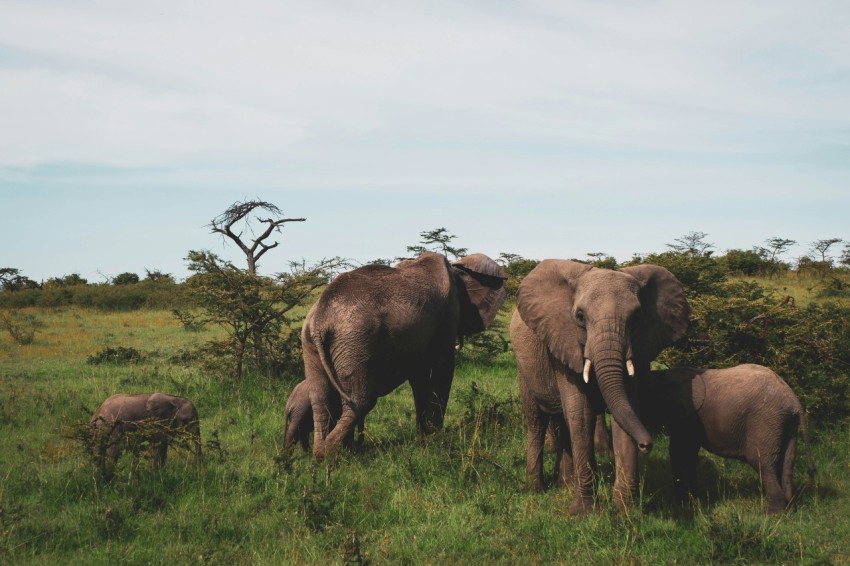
<point x="299" y="418"/>
<point x="746" y="412"/>
<point x="577" y="332"/>
<point x="376" y="327"/>
<point x="122" y="413"/>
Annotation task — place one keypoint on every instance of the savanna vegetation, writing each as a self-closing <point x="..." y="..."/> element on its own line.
<point x="227" y="339"/>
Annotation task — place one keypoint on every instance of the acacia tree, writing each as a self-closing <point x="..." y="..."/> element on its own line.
<point x="437" y="241"/>
<point x="692" y="243"/>
<point x="234" y="222"/>
<point x="821" y="247"/>
<point x="253" y="310"/>
<point x="777" y="246"/>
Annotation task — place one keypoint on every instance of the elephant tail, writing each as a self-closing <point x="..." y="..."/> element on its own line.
<point x="324" y="357"/>
<point x="810" y="461"/>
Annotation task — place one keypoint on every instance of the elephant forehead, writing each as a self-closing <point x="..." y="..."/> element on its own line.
<point x="601" y="284"/>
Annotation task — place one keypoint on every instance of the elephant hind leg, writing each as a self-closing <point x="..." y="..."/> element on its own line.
<point x="787" y="467"/>
<point x="343" y="432"/>
<point x="563" y="451"/>
<point x="768" y="466"/>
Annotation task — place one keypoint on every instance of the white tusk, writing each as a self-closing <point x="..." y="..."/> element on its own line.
<point x="586" y="372"/>
<point x="630" y="367"/>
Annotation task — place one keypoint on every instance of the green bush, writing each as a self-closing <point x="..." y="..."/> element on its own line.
<point x="745" y="323"/>
<point x="118" y="355"/>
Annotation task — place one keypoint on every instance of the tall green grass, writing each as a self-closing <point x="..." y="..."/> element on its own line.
<point x="456" y="497"/>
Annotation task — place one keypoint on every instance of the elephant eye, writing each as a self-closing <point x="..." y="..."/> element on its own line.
<point x="580" y="317"/>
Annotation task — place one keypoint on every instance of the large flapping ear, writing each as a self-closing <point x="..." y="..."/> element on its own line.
<point x="482" y="291"/>
<point x="664" y="311"/>
<point x="545" y="303"/>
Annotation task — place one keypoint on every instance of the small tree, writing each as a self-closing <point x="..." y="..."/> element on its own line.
<point x="12" y="280"/>
<point x="692" y="243"/>
<point x="253" y="310"/>
<point x="845" y="256"/>
<point x="157" y="276"/>
<point x="517" y="267"/>
<point x="242" y="213"/>
<point x="125" y="279"/>
<point x="821" y="247"/>
<point x="437" y="241"/>
<point x="603" y="260"/>
<point x="777" y="246"/>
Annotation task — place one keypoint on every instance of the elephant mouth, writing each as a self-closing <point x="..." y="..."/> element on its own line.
<point x="630" y="369"/>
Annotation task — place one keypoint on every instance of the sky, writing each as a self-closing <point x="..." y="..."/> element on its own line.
<point x="548" y="129"/>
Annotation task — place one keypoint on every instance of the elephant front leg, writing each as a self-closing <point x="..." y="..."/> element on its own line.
<point x="537" y="424"/>
<point x="579" y="417"/>
<point x="684" y="454"/>
<point x="626" y="466"/>
<point x="563" y="451"/>
<point x="159" y="452"/>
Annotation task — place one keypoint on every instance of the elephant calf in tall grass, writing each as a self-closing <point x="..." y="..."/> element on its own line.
<point x="157" y="416"/>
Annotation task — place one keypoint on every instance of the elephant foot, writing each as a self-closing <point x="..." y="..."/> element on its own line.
<point x="581" y="506"/>
<point x="775" y="506"/>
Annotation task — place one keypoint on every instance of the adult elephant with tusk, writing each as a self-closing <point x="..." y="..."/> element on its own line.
<point x="577" y="333"/>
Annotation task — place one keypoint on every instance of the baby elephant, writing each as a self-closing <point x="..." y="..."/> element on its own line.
<point x="299" y="418"/>
<point x="164" y="414"/>
<point x="745" y="412"/>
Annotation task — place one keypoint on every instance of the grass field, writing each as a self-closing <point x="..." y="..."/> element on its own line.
<point x="457" y="497"/>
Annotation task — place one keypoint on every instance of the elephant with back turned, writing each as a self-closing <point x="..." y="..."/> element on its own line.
<point x="122" y="413"/>
<point x="376" y="327"/>
<point x="580" y="335"/>
<point x="746" y="412"/>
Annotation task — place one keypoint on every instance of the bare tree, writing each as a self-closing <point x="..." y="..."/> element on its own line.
<point x="241" y="212"/>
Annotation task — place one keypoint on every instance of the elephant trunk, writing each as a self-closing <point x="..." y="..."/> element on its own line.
<point x="609" y="365"/>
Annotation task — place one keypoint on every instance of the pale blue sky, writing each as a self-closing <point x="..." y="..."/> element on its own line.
<point x="543" y="128"/>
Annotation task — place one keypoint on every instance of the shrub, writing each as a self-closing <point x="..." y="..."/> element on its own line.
<point x="22" y="327"/>
<point x="118" y="355"/>
<point x="698" y="273"/>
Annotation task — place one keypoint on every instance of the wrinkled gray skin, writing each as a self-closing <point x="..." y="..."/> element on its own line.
<point x="569" y="313"/>
<point x="121" y="413"/>
<point x="376" y="327"/>
<point x="746" y="412"/>
<point x="299" y="418"/>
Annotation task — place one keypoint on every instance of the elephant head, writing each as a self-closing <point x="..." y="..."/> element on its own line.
<point x="604" y="323"/>
<point x="482" y="284"/>
<point x="177" y="412"/>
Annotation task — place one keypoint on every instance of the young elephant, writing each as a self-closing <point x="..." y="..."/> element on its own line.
<point x="299" y="418"/>
<point x="122" y="413"/>
<point x="745" y="412"/>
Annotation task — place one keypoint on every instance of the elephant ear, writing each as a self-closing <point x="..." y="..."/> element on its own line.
<point x="481" y="283"/>
<point x="664" y="311"/>
<point x="161" y="407"/>
<point x="545" y="303"/>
